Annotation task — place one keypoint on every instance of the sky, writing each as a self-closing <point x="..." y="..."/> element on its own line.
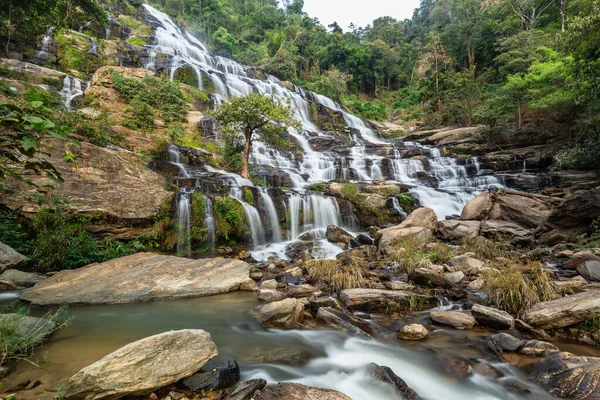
<point x="360" y="12"/>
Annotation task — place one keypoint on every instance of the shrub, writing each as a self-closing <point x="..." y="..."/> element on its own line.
<point x="514" y="290"/>
<point x="142" y="115"/>
<point x="337" y="277"/>
<point x="318" y="187"/>
<point x="230" y="217"/>
<point x="410" y="254"/>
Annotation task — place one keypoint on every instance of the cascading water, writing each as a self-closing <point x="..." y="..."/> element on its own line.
<point x="272" y="214"/>
<point x="209" y="223"/>
<point x="184" y="225"/>
<point x="72" y="89"/>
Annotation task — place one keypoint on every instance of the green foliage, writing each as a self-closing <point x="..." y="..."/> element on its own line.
<point x="136" y="41"/>
<point x="318" y="187"/>
<point x="18" y="339"/>
<point x="14" y="232"/>
<point x="248" y="196"/>
<point x="365" y="109"/>
<point x="591" y="325"/>
<point x="198" y="208"/>
<point x="230" y="218"/>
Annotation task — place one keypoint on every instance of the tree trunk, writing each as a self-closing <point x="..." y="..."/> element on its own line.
<point x="562" y="13"/>
<point x="519" y="116"/>
<point x="246" y="156"/>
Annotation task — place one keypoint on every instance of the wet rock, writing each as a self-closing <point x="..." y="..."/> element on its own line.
<point x="568" y="376"/>
<point x="454" y="319"/>
<point x="297" y="391"/>
<point x="269" y="295"/>
<point x="141" y="366"/>
<point x="564" y="311"/>
<point x="395" y="233"/>
<point x="537" y="348"/>
<point x="337" y="235"/>
<point x="487" y="370"/>
<point x="466" y="264"/>
<point x="363" y="239"/>
<point x="32" y="385"/>
<point x="315" y="304"/>
<point x="284" y="314"/>
<point x="575" y="214"/>
<point x="454" y="278"/>
<point x="245" y="390"/>
<point x="9" y="258"/>
<point x="427" y="277"/>
<point x="451" y="230"/>
<point x="344" y="321"/>
<point x="386" y="375"/>
<point x="503" y="342"/>
<point x="421" y="218"/>
<point x="413" y="332"/>
<point x="221" y="377"/>
<point x="514" y="385"/>
<point x="379" y="299"/>
<point x="453" y="367"/>
<point x="492" y="317"/>
<point x="140" y="277"/>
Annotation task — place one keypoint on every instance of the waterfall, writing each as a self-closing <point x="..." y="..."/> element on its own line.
<point x="176" y="158"/>
<point x="272" y="214"/>
<point x="209" y="223"/>
<point x="72" y="88"/>
<point x="183" y="213"/>
<point x="398" y="208"/>
<point x="295" y="207"/>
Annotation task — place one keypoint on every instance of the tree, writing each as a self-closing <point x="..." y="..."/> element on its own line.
<point x="253" y="114"/>
<point x="463" y="94"/>
<point x="529" y="10"/>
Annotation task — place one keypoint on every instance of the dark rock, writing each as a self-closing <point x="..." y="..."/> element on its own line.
<point x="568" y="376"/>
<point x="246" y="390"/>
<point x="5" y="371"/>
<point x="503" y="342"/>
<point x="33" y="385"/>
<point x="427" y="277"/>
<point x="454" y="367"/>
<point x="491" y="317"/>
<point x="315" y="304"/>
<point x="386" y="375"/>
<point x="344" y="321"/>
<point x="19" y="386"/>
<point x="365" y="240"/>
<point x="337" y="235"/>
<point x="576" y="213"/>
<point x="221" y="377"/>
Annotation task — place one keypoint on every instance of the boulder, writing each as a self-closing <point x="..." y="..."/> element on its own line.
<point x="316" y="303"/>
<point x="378" y="299"/>
<point x="524" y="209"/>
<point x="576" y="213"/>
<point x="386" y="375"/>
<point x="300" y="291"/>
<point x="394" y="233"/>
<point x="284" y="314"/>
<point x="568" y="376"/>
<point x="503" y="342"/>
<point x="492" y="317"/>
<point x="476" y="285"/>
<point x="564" y="311"/>
<point x="454" y="319"/>
<point x="143" y="366"/>
<point x="589" y="268"/>
<point x="20" y="279"/>
<point x="246" y="390"/>
<point x="269" y="295"/>
<point x="413" y="332"/>
<point x="454" y="229"/>
<point x="421" y="218"/>
<point x="9" y="258"/>
<point x="297" y="391"/>
<point x="466" y="264"/>
<point x="223" y="376"/>
<point x="537" y="348"/>
<point x="268" y="284"/>
<point x="504" y="229"/>
<point x="344" y="321"/>
<point x="27" y="325"/>
<point x="337" y="235"/>
<point x="427" y="277"/>
<point x="453" y="135"/>
<point x="454" y="278"/>
<point x="140" y="277"/>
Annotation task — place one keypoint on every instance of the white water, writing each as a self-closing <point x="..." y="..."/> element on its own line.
<point x="209" y="223"/>
<point x="183" y="213"/>
<point x="71" y="89"/>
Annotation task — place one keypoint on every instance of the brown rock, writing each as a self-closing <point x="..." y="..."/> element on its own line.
<point x="296" y="391"/>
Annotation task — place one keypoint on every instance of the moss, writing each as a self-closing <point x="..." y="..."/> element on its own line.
<point x="230" y="218"/>
<point x="198" y="208"/>
<point x="248" y="196"/>
<point x="318" y="187"/>
<point x="136" y="41"/>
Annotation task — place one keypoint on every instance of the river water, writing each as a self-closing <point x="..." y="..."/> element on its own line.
<point x="319" y="358"/>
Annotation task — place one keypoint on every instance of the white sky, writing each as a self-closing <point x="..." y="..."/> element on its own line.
<point x="360" y="12"/>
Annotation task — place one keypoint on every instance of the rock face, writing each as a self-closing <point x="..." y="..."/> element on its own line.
<point x="102" y="182"/>
<point x="143" y="366"/>
<point x="140" y="277"/>
<point x="493" y="318"/>
<point x="576" y="213"/>
<point x="9" y="258"/>
<point x="564" y="311"/>
<point x="296" y="391"/>
<point x="284" y="314"/>
<point x="524" y="209"/>
<point x="376" y="299"/>
<point x="569" y="376"/>
<point x="454" y="319"/>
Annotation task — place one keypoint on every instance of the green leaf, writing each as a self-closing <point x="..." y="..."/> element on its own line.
<point x="29" y="142"/>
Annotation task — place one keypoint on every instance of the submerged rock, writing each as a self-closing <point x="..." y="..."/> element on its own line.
<point x="10" y="258"/>
<point x="344" y="321"/>
<point x="140" y="277"/>
<point x="386" y="375"/>
<point x="564" y="311"/>
<point x="145" y="365"/>
<point x="297" y="391"/>
<point x="284" y="314"/>
<point x="568" y="376"/>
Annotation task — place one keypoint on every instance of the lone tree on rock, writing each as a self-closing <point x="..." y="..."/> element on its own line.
<point x="253" y="114"/>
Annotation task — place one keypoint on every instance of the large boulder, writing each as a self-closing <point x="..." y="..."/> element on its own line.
<point x="379" y="299"/>
<point x="145" y="365"/>
<point x="454" y="319"/>
<point x="284" y="314"/>
<point x="20" y="279"/>
<point x="9" y="258"/>
<point x="569" y="376"/>
<point x="589" y="267"/>
<point x="564" y="311"/>
<point x="421" y="218"/>
<point x="337" y="235"/>
<point x="396" y="233"/>
<point x="140" y="277"/>
<point x="575" y="214"/>
<point x="297" y="391"/>
<point x="524" y="209"/>
<point x="466" y="264"/>
<point x="492" y="317"/>
<point x="504" y="229"/>
<point x="454" y="229"/>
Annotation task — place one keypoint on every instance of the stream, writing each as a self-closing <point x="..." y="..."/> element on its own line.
<point x="324" y="359"/>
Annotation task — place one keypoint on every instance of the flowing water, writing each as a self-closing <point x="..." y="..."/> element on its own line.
<point x="324" y="359"/>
